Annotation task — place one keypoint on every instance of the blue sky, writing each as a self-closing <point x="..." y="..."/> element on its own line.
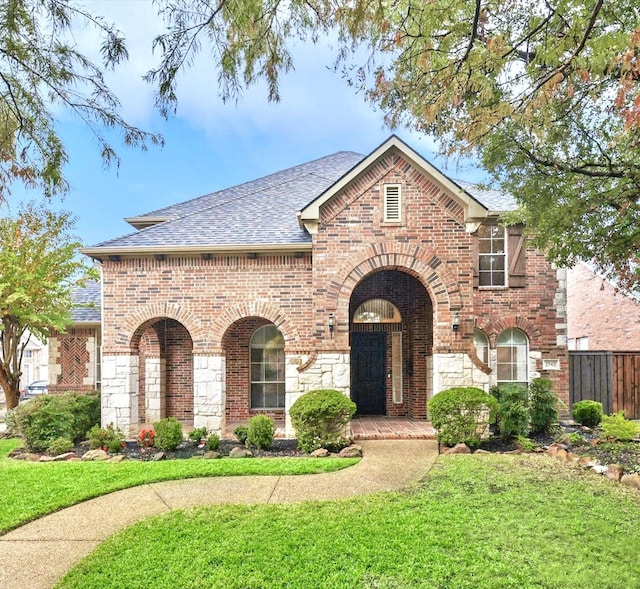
<point x="211" y="145"/>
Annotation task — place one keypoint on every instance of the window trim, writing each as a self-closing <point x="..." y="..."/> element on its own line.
<point x="511" y="362"/>
<point x="479" y="332"/>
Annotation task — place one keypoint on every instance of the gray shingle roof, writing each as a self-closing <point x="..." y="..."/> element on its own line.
<point x="89" y="294"/>
<point x="262" y="211"/>
<point x="259" y="212"/>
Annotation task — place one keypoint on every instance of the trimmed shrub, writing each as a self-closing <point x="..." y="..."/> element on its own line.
<point x="213" y="442"/>
<point x="513" y="414"/>
<point x="616" y="427"/>
<point x="46" y="418"/>
<point x="260" y="432"/>
<point x="462" y="415"/>
<point x="59" y="446"/>
<point x="168" y="434"/>
<point x="543" y="405"/>
<point x="198" y="434"/>
<point x="587" y="413"/>
<point x="241" y="432"/>
<point x="319" y="418"/>
<point x="108" y="438"/>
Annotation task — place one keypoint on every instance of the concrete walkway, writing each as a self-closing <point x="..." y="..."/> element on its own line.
<point x="37" y="555"/>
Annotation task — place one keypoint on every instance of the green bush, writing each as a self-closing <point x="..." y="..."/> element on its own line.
<point x="543" y="405"/>
<point x="260" y="432"/>
<point x="588" y="413"/>
<point x="513" y="414"/>
<point x="241" y="432"/>
<point x="198" y="434"/>
<point x="526" y="444"/>
<point x="616" y="427"/>
<point x="462" y="415"/>
<point x="109" y="438"/>
<point x="49" y="417"/>
<point x="60" y="446"/>
<point x="319" y="418"/>
<point x="168" y="434"/>
<point x="213" y="442"/>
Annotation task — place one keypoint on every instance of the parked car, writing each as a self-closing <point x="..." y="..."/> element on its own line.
<point x="38" y="387"/>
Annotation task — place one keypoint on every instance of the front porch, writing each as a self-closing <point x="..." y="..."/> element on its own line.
<point x="374" y="427"/>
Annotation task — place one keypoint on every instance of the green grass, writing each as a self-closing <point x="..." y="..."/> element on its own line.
<point x="31" y="490"/>
<point x="476" y="522"/>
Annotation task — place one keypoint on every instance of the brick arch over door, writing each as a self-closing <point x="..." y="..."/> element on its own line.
<point x="271" y="313"/>
<point x="424" y="265"/>
<point x="128" y="333"/>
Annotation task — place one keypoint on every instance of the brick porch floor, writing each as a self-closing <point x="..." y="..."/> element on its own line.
<point x="377" y="427"/>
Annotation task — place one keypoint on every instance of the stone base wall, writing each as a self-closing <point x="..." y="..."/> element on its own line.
<point x="457" y="370"/>
<point x="327" y="371"/>
<point x="208" y="392"/>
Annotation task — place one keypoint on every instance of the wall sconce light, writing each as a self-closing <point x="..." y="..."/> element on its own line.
<point x="455" y="324"/>
<point x="331" y="323"/>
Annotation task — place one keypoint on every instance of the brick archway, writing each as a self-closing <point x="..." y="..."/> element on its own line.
<point x="418" y="262"/>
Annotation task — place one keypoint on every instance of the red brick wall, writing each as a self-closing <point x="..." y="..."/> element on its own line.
<point x="597" y="310"/>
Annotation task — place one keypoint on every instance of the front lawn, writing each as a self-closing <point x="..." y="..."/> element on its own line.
<point x="476" y="522"/>
<point x="30" y="490"/>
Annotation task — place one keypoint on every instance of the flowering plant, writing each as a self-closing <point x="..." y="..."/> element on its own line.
<point x="146" y="438"/>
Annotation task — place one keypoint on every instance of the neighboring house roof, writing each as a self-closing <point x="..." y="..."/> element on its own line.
<point x="263" y="214"/>
<point x="88" y="299"/>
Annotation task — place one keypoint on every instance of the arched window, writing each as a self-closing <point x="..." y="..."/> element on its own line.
<point x="377" y="311"/>
<point x="481" y="342"/>
<point x="513" y="357"/>
<point x="267" y="369"/>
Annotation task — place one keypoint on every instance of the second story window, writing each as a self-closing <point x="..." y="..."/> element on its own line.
<point x="492" y="256"/>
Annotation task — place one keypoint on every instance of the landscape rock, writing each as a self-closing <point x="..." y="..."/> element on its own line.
<point x="458" y="449"/>
<point x="159" y="456"/>
<point x="211" y="455"/>
<point x="45" y="458"/>
<point x="614" y="472"/>
<point x="353" y="451"/>
<point x="239" y="452"/>
<point x="631" y="480"/>
<point x="97" y="454"/>
<point x="320" y="453"/>
<point x="600" y="468"/>
<point x="481" y="451"/>
<point x="572" y="458"/>
<point x="587" y="462"/>
<point x="64" y="457"/>
<point x="117" y="458"/>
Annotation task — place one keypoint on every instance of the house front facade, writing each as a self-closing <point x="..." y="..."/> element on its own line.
<point x="375" y="275"/>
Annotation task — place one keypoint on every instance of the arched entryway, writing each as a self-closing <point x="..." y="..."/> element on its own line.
<point x="254" y="371"/>
<point x="391" y="338"/>
<point x="165" y="352"/>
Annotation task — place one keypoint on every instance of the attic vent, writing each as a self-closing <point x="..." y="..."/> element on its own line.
<point x="392" y="204"/>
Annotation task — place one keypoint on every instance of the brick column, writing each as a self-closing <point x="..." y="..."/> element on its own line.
<point x="120" y="392"/>
<point x="209" y="392"/>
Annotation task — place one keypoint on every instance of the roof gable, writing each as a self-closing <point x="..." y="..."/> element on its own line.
<point x="473" y="209"/>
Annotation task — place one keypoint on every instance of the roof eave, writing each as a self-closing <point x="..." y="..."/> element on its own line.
<point x="100" y="252"/>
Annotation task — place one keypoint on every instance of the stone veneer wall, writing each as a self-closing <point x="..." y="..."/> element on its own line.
<point x="120" y="392"/>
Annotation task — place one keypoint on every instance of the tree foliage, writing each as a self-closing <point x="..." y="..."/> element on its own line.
<point x="41" y="73"/>
<point x="38" y="270"/>
<point x="545" y="94"/>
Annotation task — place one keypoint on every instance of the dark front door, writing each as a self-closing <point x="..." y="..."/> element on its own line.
<point x="368" y="375"/>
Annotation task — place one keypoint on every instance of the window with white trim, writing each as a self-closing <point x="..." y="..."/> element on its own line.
<point x="267" y="368"/>
<point x="392" y="203"/>
<point x="492" y="259"/>
<point x="481" y="343"/>
<point x="377" y="311"/>
<point x="512" y="349"/>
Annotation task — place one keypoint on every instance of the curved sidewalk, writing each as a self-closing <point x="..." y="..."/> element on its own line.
<point x="38" y="554"/>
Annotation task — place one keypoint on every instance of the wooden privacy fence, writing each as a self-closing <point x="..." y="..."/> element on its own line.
<point x="612" y="378"/>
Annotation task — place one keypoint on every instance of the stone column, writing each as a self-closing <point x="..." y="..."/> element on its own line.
<point x="209" y="392"/>
<point x="154" y="396"/>
<point x="120" y="376"/>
